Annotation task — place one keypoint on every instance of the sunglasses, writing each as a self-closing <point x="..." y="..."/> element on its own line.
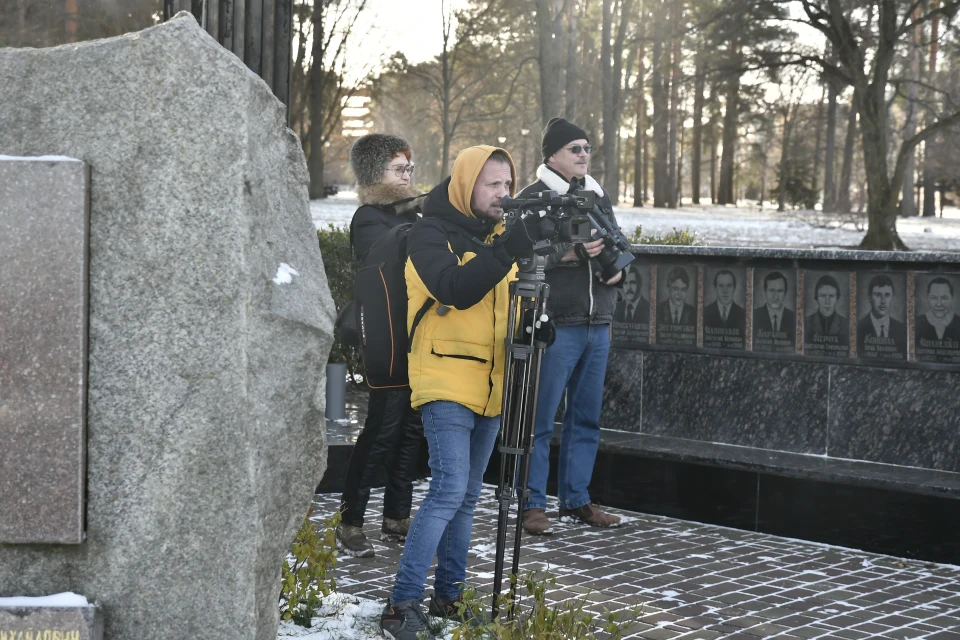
<point x="400" y="169"/>
<point x="577" y="148"/>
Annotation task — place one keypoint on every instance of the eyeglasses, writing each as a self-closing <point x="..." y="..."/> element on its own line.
<point x="577" y="148"/>
<point x="400" y="169"/>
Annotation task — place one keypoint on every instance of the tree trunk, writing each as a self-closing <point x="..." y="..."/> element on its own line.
<point x="646" y="166"/>
<point x="829" y="153"/>
<point x="551" y="60"/>
<point x="317" y="107"/>
<point x="697" y="143"/>
<point x="573" y="68"/>
<point x="676" y="15"/>
<point x="641" y="112"/>
<point x="881" y="190"/>
<point x="784" y="161"/>
<point x="713" y="170"/>
<point x="731" y="119"/>
<point x="70" y="20"/>
<point x="907" y="207"/>
<point x="660" y="116"/>
<point x="816" y="147"/>
<point x="846" y="169"/>
<point x="929" y="188"/>
<point x="609" y="179"/>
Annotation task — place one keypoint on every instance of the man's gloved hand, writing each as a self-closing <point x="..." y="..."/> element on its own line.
<point x="521" y="233"/>
<point x="542" y="328"/>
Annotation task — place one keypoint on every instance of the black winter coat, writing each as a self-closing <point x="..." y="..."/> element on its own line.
<point x="382" y="207"/>
<point x="577" y="296"/>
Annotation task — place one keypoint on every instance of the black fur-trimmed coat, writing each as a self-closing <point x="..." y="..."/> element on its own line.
<point x="382" y="207"/>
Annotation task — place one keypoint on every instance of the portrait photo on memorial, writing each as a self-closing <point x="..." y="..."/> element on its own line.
<point x="775" y="310"/>
<point x="724" y="308"/>
<point x="882" y="315"/>
<point x="937" y="318"/>
<point x="826" y="313"/>
<point x="631" y="318"/>
<point x="677" y="305"/>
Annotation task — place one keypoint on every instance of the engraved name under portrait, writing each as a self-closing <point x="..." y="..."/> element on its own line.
<point x="826" y="328"/>
<point x="676" y="313"/>
<point x="882" y="304"/>
<point x="936" y="322"/>
<point x="631" y="318"/>
<point x="774" y="311"/>
<point x="724" y="317"/>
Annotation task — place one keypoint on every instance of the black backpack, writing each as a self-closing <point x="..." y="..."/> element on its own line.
<point x="380" y="308"/>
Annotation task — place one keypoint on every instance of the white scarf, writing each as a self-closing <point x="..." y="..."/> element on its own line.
<point x="556" y="183"/>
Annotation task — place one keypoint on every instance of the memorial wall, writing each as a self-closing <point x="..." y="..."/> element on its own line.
<point x="846" y="355"/>
<point x="837" y="306"/>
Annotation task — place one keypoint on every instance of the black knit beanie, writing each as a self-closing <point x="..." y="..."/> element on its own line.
<point x="557" y="133"/>
<point x="370" y="154"/>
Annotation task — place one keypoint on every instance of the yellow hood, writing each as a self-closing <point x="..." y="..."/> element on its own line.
<point x="466" y="169"/>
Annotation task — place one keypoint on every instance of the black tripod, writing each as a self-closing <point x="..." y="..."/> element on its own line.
<point x="521" y="384"/>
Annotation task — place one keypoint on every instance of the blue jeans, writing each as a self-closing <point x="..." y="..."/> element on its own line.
<point x="577" y="362"/>
<point x="460" y="443"/>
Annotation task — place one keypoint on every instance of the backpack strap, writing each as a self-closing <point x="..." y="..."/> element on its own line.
<point x="422" y="311"/>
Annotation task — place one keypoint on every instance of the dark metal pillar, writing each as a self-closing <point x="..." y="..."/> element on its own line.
<point x="259" y="32"/>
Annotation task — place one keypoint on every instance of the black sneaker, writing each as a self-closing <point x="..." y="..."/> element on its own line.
<point x="353" y="542"/>
<point x="454" y="610"/>
<point x="404" y="621"/>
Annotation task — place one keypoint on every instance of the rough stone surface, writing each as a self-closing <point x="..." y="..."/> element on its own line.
<point x="49" y="623"/>
<point x="43" y="348"/>
<point x="205" y="420"/>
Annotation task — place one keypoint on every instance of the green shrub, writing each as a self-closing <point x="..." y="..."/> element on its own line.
<point x="675" y="237"/>
<point x="539" y="620"/>
<point x="341" y="269"/>
<point x="306" y="577"/>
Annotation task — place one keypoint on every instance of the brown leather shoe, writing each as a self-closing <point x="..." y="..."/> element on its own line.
<point x="591" y="515"/>
<point x="536" y="522"/>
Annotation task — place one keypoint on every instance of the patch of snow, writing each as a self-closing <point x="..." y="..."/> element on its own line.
<point x="41" y="158"/>
<point x="285" y="274"/>
<point x="866" y="563"/>
<point x="65" y="599"/>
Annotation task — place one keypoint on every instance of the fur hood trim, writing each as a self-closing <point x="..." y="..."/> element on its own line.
<point x="390" y="195"/>
<point x="558" y="184"/>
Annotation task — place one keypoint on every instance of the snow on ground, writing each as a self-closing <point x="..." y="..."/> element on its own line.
<point x="343" y="616"/>
<point x="730" y="226"/>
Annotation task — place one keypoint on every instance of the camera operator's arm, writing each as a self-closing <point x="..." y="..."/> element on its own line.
<point x="453" y="284"/>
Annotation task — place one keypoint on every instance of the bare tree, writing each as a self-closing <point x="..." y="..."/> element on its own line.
<point x="611" y="61"/>
<point x="328" y="84"/>
<point x="865" y="62"/>
<point x="550" y="25"/>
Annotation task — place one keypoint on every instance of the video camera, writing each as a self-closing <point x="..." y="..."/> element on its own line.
<point x="571" y="217"/>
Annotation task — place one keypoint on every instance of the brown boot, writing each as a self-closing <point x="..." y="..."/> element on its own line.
<point x="536" y="522"/>
<point x="591" y="515"/>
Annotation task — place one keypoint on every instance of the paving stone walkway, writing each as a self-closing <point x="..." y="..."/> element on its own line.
<point x="692" y="580"/>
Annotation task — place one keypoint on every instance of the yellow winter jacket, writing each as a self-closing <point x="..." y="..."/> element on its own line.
<point x="458" y="296"/>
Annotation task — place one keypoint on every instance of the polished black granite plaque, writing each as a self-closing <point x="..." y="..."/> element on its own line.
<point x="937" y="318"/>
<point x="826" y="313"/>
<point x="882" y="312"/>
<point x="753" y="403"/>
<point x="631" y="319"/>
<point x="676" y="309"/>
<point x="775" y="311"/>
<point x="896" y="416"/>
<point x="724" y="308"/>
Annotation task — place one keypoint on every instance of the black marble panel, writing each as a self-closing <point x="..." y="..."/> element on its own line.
<point x="895" y="416"/>
<point x="798" y="465"/>
<point x="675" y="489"/>
<point x="900" y="524"/>
<point x="622" y="391"/>
<point x="752" y="403"/>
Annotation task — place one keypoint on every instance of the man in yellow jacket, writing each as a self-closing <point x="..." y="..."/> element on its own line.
<point x="458" y="274"/>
